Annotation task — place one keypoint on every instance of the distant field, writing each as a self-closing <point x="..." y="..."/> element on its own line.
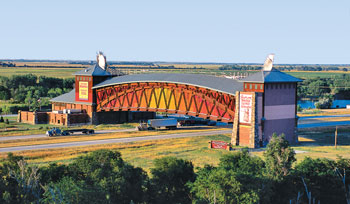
<point x="65" y="70"/>
<point x="39" y="71"/>
<point x="321" y="74"/>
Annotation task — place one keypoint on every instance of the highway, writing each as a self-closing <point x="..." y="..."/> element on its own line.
<point x="321" y="121"/>
<point x="43" y="135"/>
<point x="304" y="122"/>
<point x="119" y="140"/>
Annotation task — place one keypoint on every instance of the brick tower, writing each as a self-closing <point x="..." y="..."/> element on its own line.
<point x="267" y="105"/>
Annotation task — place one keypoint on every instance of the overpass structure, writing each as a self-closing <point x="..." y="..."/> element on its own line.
<point x="258" y="105"/>
<point x="202" y="96"/>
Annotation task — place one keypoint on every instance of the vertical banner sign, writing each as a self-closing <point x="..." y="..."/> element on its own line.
<point x="245" y="108"/>
<point x="83" y="90"/>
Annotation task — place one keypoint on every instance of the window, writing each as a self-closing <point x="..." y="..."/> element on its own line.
<point x="261" y="86"/>
<point x="250" y="86"/>
<point x="256" y="86"/>
<point x="245" y="85"/>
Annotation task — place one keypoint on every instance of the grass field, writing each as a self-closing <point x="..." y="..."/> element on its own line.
<point x="38" y="71"/>
<point x="60" y="70"/>
<point x="324" y="112"/>
<point x="315" y="143"/>
<point x="139" y="154"/>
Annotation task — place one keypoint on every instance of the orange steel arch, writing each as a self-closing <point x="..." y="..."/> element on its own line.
<point x="167" y="97"/>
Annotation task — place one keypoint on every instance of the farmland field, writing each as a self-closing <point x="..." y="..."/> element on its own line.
<point x="39" y="71"/>
<point x="321" y="74"/>
<point x="60" y="71"/>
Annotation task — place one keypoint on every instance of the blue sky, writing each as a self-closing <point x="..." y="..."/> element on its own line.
<point x="298" y="31"/>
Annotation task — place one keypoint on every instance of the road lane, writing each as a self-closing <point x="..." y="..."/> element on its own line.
<point x="324" y="124"/>
<point x="321" y="121"/>
<point x="43" y="135"/>
<point x="119" y="140"/>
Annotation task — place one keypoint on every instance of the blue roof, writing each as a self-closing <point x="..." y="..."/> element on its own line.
<point x="273" y="76"/>
<point x="93" y="70"/>
<point x="221" y="84"/>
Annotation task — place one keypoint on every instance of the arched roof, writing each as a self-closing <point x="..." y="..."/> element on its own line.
<point x="221" y="84"/>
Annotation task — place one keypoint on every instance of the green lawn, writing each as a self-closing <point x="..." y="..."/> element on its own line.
<point x="39" y="71"/>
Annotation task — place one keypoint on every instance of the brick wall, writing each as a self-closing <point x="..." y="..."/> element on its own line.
<point x="26" y="117"/>
<point x="246" y="134"/>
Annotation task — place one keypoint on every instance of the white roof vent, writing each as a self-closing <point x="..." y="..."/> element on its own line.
<point x="268" y="62"/>
<point x="101" y="60"/>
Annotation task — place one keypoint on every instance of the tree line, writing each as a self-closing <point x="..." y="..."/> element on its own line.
<point x="325" y="89"/>
<point x="32" y="90"/>
<point x="104" y="177"/>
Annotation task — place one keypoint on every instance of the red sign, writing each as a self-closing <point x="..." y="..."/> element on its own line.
<point x="218" y="144"/>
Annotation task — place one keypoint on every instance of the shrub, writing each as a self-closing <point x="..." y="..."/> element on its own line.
<point x="324" y="103"/>
<point x="279" y="157"/>
<point x="299" y="108"/>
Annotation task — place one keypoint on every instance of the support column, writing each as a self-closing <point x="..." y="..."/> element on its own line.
<point x="19" y="119"/>
<point x="254" y="134"/>
<point x="235" y="131"/>
<point x="246" y="129"/>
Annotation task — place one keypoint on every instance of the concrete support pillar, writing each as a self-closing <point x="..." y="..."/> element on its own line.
<point x="235" y="131"/>
<point x="34" y="118"/>
<point x="19" y="119"/>
<point x="94" y="118"/>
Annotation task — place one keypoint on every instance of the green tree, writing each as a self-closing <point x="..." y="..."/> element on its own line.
<point x="321" y="180"/>
<point x="105" y="171"/>
<point x="6" y="109"/>
<point x="70" y="191"/>
<point x="68" y="83"/>
<point x="242" y="163"/>
<point x="218" y="185"/>
<point x="5" y="93"/>
<point x="279" y="157"/>
<point x="20" y="182"/>
<point x="169" y="178"/>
